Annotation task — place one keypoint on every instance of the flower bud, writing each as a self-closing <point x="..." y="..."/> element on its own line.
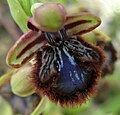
<point x="50" y="17"/>
<point x="21" y="81"/>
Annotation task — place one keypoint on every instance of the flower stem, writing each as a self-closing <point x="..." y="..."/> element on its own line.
<point x="40" y="106"/>
<point x="6" y="77"/>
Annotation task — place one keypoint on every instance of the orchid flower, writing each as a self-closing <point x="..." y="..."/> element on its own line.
<point x="66" y="67"/>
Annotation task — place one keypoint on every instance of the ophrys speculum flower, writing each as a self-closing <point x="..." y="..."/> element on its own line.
<point x="66" y="67"/>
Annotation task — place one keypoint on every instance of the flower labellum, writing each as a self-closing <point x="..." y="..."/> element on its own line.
<point x="67" y="68"/>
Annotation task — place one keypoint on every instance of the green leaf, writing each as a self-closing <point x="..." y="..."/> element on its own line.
<point x="33" y="1"/>
<point x="26" y="5"/>
<point x="18" y="14"/>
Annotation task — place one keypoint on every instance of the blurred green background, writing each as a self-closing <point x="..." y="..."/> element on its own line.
<point x="106" y="101"/>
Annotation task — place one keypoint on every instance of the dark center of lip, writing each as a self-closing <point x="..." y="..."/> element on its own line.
<point x="56" y="38"/>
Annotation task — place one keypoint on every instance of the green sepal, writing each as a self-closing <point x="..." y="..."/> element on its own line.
<point x="24" y="48"/>
<point x="81" y="23"/>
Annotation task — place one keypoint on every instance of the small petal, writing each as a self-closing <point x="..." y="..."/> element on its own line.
<point x="81" y="23"/>
<point x="24" y="48"/>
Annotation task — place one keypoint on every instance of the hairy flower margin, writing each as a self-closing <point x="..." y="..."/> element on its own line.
<point x="66" y="67"/>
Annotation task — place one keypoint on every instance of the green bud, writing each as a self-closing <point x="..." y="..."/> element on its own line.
<point x="21" y="83"/>
<point x="50" y="17"/>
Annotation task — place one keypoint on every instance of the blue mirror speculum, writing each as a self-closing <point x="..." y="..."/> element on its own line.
<point x="68" y="69"/>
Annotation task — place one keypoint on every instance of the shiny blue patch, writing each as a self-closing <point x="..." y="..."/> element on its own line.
<point x="73" y="74"/>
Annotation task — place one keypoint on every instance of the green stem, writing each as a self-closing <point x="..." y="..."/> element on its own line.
<point x="40" y="106"/>
<point x="5" y="77"/>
